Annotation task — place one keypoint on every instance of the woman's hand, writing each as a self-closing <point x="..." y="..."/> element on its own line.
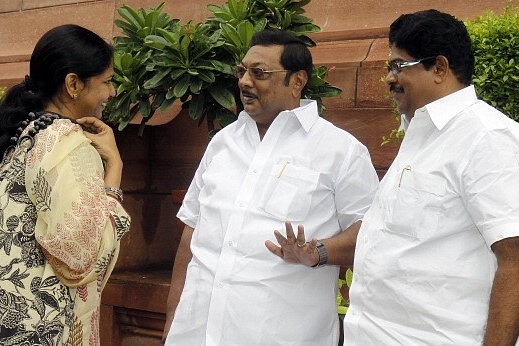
<point x="294" y="249"/>
<point x="102" y="137"/>
<point x="103" y="140"/>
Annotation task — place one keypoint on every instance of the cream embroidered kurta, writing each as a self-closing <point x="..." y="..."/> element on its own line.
<point x="59" y="239"/>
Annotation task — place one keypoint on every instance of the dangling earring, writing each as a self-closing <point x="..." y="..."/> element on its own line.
<point x="74" y="96"/>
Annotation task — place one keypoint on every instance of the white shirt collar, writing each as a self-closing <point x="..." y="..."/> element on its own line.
<point x="306" y="114"/>
<point x="444" y="109"/>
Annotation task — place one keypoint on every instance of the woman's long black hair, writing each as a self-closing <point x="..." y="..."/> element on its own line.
<point x="62" y="50"/>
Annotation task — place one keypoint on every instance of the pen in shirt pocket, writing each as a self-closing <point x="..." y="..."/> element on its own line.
<point x="282" y="169"/>
<point x="404" y="170"/>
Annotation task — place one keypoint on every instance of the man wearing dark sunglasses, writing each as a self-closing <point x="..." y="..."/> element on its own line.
<point x="437" y="255"/>
<point x="279" y="161"/>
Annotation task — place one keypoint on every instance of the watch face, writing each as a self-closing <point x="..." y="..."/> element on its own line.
<point x="323" y="254"/>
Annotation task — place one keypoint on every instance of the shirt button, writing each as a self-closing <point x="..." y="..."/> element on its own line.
<point x="231" y="243"/>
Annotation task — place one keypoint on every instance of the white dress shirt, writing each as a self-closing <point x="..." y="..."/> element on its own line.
<point x="423" y="264"/>
<point x="304" y="170"/>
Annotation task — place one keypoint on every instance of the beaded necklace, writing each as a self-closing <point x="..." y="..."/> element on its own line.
<point x="41" y="121"/>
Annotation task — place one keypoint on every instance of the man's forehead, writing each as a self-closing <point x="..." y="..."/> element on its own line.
<point x="396" y="53"/>
<point x="263" y="54"/>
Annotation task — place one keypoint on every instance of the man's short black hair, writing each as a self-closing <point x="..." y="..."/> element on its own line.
<point x="431" y="33"/>
<point x="295" y="56"/>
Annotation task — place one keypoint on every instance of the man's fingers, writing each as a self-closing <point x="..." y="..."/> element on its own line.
<point x="276" y="250"/>
<point x="311" y="246"/>
<point x="291" y="237"/>
<point x="280" y="238"/>
<point x="301" y="240"/>
<point x="289" y="230"/>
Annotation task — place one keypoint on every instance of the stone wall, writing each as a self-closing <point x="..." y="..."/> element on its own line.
<point x="159" y="165"/>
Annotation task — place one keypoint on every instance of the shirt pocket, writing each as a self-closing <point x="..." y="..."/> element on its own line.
<point x="288" y="191"/>
<point x="417" y="205"/>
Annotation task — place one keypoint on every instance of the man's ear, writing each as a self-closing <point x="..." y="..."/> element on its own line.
<point x="73" y="85"/>
<point x="441" y="68"/>
<point x="299" y="78"/>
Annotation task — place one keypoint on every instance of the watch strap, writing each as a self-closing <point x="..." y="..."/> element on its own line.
<point x="322" y="253"/>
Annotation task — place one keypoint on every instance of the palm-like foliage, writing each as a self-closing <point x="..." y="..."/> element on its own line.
<point x="159" y="60"/>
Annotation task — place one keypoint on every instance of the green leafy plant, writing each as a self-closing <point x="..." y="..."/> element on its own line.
<point x="395" y="134"/>
<point x="342" y="302"/>
<point x="496" y="43"/>
<point x="160" y="60"/>
<point x="2" y="93"/>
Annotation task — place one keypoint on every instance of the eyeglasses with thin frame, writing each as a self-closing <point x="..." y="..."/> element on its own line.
<point x="395" y="67"/>
<point x="255" y="72"/>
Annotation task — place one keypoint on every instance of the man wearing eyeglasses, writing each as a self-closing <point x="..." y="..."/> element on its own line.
<point x="437" y="255"/>
<point x="279" y="161"/>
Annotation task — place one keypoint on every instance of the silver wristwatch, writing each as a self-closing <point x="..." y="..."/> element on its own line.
<point x="323" y="254"/>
